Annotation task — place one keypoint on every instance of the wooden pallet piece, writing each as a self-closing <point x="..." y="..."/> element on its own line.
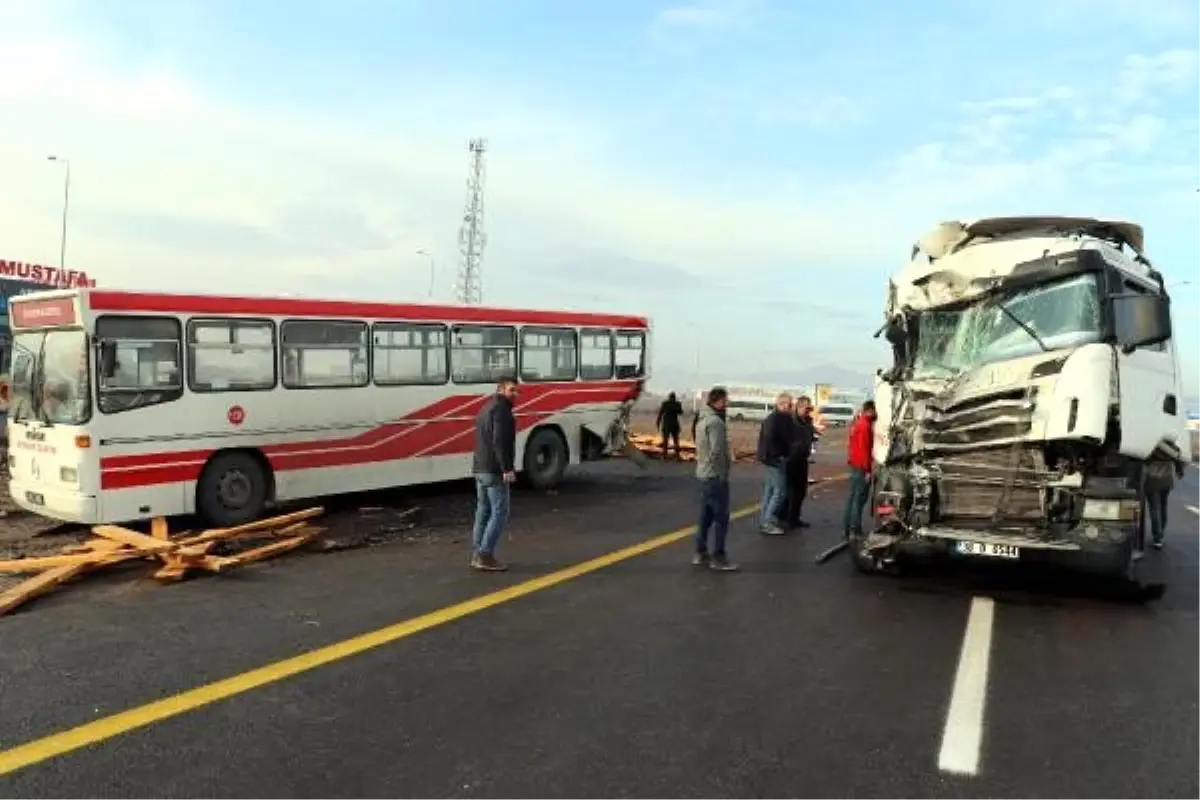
<point x="266" y="551"/>
<point x="216" y="534"/>
<point x="139" y="541"/>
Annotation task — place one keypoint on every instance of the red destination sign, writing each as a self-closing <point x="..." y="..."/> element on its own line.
<point x="42" y="313"/>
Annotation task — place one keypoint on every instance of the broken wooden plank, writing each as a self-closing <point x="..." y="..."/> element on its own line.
<point x="147" y="544"/>
<point x="253" y="527"/>
<point x="266" y="551"/>
<point x="159" y="529"/>
<point x="38" y="585"/>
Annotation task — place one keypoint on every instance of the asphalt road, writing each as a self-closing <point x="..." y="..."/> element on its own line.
<point x="643" y="678"/>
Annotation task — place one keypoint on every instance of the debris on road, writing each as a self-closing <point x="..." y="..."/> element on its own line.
<point x="215" y="550"/>
<point x="651" y="445"/>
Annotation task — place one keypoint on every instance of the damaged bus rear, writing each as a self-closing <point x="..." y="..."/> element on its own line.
<point x="1034" y="379"/>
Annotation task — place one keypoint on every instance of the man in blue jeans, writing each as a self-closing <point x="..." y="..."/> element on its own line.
<point x="712" y="471"/>
<point x="859" y="460"/>
<point x="775" y="439"/>
<point x="495" y="451"/>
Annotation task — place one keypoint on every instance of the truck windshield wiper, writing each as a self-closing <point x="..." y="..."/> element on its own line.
<point x="1024" y="326"/>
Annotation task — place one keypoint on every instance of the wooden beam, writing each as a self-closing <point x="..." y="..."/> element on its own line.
<point x="159" y="528"/>
<point x="39" y="584"/>
<point x="147" y="544"/>
<point x="266" y="551"/>
<point x="284" y="521"/>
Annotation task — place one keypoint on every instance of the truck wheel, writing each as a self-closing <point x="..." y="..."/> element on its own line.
<point x="232" y="490"/>
<point x="546" y="458"/>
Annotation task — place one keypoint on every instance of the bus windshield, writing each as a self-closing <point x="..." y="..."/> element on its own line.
<point x="50" y="377"/>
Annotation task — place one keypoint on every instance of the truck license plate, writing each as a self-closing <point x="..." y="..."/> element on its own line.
<point x="35" y="498"/>
<point x="990" y="550"/>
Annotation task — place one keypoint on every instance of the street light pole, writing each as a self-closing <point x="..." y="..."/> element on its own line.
<point x="62" y="246"/>
<point x="432" y="269"/>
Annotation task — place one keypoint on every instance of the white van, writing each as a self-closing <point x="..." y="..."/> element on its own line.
<point x="836" y="414"/>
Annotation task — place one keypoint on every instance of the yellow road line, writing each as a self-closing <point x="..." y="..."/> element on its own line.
<point x="99" y="730"/>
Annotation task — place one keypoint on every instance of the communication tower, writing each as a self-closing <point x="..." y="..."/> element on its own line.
<point x="471" y="236"/>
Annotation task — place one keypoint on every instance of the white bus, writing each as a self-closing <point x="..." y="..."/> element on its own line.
<point x="131" y="405"/>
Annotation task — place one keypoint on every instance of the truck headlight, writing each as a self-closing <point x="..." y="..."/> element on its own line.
<point x="1102" y="509"/>
<point x="68" y="475"/>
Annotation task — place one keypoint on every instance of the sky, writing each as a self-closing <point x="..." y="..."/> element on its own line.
<point x="746" y="172"/>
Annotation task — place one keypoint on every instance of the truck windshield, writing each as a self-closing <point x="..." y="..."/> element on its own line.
<point x="50" y="377"/>
<point x="1063" y="314"/>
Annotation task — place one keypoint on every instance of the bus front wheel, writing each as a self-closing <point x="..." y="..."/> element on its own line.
<point x="232" y="490"/>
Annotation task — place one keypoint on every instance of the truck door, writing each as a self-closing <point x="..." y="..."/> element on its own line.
<point x="1150" y="401"/>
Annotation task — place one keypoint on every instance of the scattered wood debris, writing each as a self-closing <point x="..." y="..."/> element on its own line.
<point x="651" y="445"/>
<point x="214" y="550"/>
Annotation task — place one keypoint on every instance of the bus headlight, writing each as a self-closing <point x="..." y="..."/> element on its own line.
<point x="1110" y="510"/>
<point x="68" y="475"/>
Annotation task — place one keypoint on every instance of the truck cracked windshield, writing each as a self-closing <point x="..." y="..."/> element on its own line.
<point x="1034" y="381"/>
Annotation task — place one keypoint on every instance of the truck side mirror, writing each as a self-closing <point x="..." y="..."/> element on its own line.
<point x="1140" y="320"/>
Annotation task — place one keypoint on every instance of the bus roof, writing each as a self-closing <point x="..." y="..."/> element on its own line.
<point x="101" y="300"/>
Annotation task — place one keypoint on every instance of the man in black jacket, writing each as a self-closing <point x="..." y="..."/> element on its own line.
<point x="495" y="451"/>
<point x="797" y="465"/>
<point x="669" y="414"/>
<point x="774" y="446"/>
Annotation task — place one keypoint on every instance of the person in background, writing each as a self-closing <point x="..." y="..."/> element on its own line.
<point x="670" y="414"/>
<point x="797" y="463"/>
<point x="775" y="439"/>
<point x="495" y="472"/>
<point x="858" y="457"/>
<point x="713" y="462"/>
<point x="1159" y="481"/>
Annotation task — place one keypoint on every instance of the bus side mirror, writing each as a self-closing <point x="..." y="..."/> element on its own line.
<point x="108" y="359"/>
<point x="1141" y="320"/>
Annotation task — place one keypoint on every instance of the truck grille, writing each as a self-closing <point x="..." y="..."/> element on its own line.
<point x="978" y="422"/>
<point x="984" y="486"/>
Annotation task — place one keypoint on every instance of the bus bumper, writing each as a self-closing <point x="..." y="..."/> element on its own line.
<point x="55" y="503"/>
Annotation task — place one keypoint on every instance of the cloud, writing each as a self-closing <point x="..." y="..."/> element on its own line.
<point x="1144" y="76"/>
<point x="712" y="14"/>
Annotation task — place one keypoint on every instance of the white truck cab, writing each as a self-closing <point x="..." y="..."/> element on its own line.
<point x="1034" y="379"/>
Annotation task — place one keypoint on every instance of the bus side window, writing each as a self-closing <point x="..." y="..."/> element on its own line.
<point x="231" y="355"/>
<point x="321" y="354"/>
<point x="410" y="354"/>
<point x="596" y="354"/>
<point x="146" y="369"/>
<point x="631" y="354"/>
<point x="483" y="353"/>
<point x="548" y="354"/>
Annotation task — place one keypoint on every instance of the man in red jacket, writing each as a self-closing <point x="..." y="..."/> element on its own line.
<point x="859" y="459"/>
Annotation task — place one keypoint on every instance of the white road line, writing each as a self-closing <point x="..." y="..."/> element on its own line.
<point x="962" y="738"/>
<point x="1194" y="510"/>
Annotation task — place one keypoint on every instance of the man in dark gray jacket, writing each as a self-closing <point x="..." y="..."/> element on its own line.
<point x="713" y="462"/>
<point x="495" y="452"/>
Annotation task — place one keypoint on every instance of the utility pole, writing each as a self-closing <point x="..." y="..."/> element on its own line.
<point x="432" y="269"/>
<point x="471" y="236"/>
<point x="62" y="243"/>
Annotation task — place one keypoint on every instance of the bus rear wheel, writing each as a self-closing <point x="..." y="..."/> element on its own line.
<point x="546" y="459"/>
<point x="232" y="490"/>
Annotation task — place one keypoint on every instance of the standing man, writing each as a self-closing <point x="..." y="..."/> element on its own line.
<point x="495" y="451"/>
<point x="712" y="471"/>
<point x="1159" y="481"/>
<point x="774" y="446"/>
<point x="669" y="415"/>
<point x="858" y="457"/>
<point x="797" y="464"/>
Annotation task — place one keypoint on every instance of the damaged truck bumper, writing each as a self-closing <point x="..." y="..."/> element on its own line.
<point x="1097" y="547"/>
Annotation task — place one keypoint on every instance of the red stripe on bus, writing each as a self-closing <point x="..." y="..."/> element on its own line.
<point x="435" y="437"/>
<point x="198" y="305"/>
<point x="455" y="406"/>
